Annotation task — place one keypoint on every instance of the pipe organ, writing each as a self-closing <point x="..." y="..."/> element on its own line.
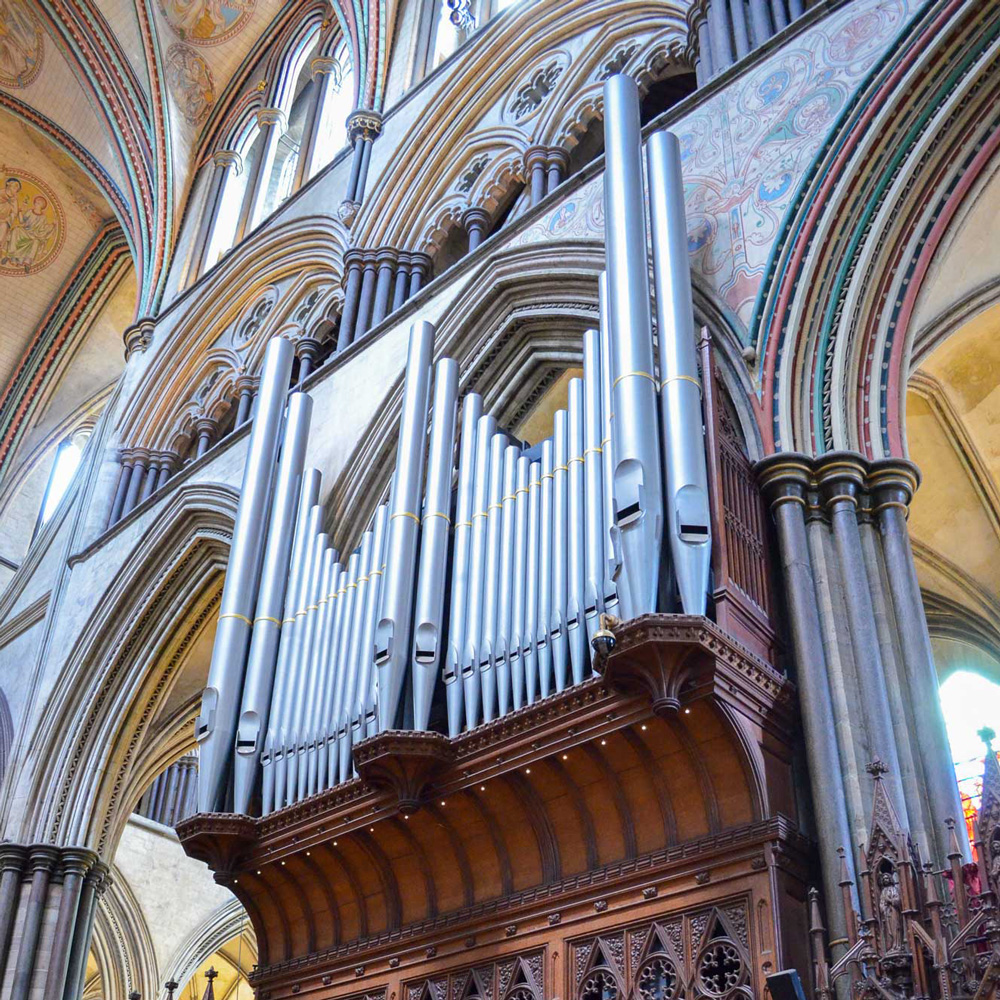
<point x="479" y="584"/>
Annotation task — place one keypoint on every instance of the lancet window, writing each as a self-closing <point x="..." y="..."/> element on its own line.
<point x="449" y="23"/>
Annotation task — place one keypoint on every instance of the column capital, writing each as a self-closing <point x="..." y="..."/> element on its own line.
<point x="892" y="483"/>
<point x="476" y="217"/>
<point x="840" y="476"/>
<point x="138" y="336"/>
<point x="42" y="857"/>
<point x="354" y="257"/>
<point x="226" y="158"/>
<point x="99" y="877"/>
<point x="535" y="155"/>
<point x="558" y="155"/>
<point x="325" y="66"/>
<point x="77" y="860"/>
<point x="165" y="459"/>
<point x="245" y="382"/>
<point x="307" y="347"/>
<point x="420" y="261"/>
<point x="12" y="857"/>
<point x="140" y="454"/>
<point x="272" y="116"/>
<point x="784" y="478"/>
<point x="365" y="125"/>
<point x="386" y="256"/>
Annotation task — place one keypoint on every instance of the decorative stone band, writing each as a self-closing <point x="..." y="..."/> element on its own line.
<point x="365" y="125"/>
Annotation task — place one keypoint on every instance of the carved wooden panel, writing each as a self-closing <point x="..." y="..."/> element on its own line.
<point x="514" y="977"/>
<point x="697" y="953"/>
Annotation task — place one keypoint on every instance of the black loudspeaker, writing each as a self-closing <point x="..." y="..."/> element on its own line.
<point x="786" y="985"/>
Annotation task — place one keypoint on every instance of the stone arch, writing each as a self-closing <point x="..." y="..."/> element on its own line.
<point x="102" y="740"/>
<point x="122" y="944"/>
<point x="6" y="735"/>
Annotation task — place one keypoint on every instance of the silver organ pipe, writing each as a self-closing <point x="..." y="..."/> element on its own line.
<point x="263" y="656"/>
<point x="560" y="550"/>
<point x="491" y="576"/>
<point x="480" y="582"/>
<point x="392" y="635"/>
<point x="485" y="429"/>
<point x="435" y="524"/>
<point x="519" y="570"/>
<point x="220" y="704"/>
<point x="685" y="467"/>
<point x="472" y="410"/>
<point x="529" y="640"/>
<point x="638" y="495"/>
<point x="576" y="530"/>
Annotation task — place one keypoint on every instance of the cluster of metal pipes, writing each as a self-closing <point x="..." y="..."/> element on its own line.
<point x="478" y="585"/>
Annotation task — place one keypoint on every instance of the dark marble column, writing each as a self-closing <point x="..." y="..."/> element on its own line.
<point x="892" y="483"/>
<point x="476" y="221"/>
<point x="74" y="864"/>
<point x="796" y="8"/>
<point x="140" y="462"/>
<point x="741" y="33"/>
<point x="385" y="262"/>
<point x="245" y="386"/>
<point x="12" y="861"/>
<point x="149" y="483"/>
<point x="363" y="127"/>
<point x="705" y="66"/>
<point x="719" y="31"/>
<point x="760" y="22"/>
<point x="42" y="860"/>
<point x="307" y="350"/>
<point x="420" y="269"/>
<point x="402" y="290"/>
<point x="367" y="299"/>
<point x="535" y="167"/>
<point x="785" y="480"/>
<point x="779" y="15"/>
<point x="94" y="884"/>
<point x="557" y="164"/>
<point x="204" y="428"/>
<point x="121" y="490"/>
<point x="353" y="264"/>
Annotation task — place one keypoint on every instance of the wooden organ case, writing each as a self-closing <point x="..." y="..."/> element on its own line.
<point x="634" y="836"/>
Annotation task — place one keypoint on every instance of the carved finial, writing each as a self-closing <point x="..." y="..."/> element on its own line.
<point x="987" y="735"/>
<point x="877" y="768"/>
<point x="845" y="873"/>
<point x="170" y="985"/>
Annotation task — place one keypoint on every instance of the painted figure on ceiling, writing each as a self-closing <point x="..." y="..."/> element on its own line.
<point x="20" y="44"/>
<point x="206" y="21"/>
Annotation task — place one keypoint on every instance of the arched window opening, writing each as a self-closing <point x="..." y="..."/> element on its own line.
<point x="332" y="126"/>
<point x="230" y="204"/>
<point x="64" y="465"/>
<point x="452" y="22"/>
<point x="969" y="702"/>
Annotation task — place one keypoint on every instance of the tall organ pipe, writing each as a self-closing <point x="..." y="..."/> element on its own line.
<point x="355" y="731"/>
<point x="637" y="486"/>
<point x="529" y="640"/>
<point x="340" y="719"/>
<point x="306" y="523"/>
<point x="519" y="583"/>
<point x="329" y="631"/>
<point x="576" y="522"/>
<point x="429" y="617"/>
<point x="491" y="581"/>
<point x="392" y="636"/>
<point x="485" y="429"/>
<point x="472" y="410"/>
<point x="220" y="703"/>
<point x="341" y="653"/>
<point x="560" y="562"/>
<point x="593" y="474"/>
<point x="612" y="556"/>
<point x="685" y="467"/>
<point x="321" y="664"/>
<point x="543" y="645"/>
<point x="505" y="582"/>
<point x="258" y="685"/>
<point x="307" y="688"/>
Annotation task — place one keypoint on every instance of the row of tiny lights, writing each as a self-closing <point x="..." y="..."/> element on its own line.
<point x="482" y="788"/>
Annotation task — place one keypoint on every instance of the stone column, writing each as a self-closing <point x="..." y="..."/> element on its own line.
<point x="74" y="863"/>
<point x="140" y="463"/>
<point x="779" y="15"/>
<point x="476" y="221"/>
<point x="225" y="163"/>
<point x="741" y="34"/>
<point x="327" y="77"/>
<point x="760" y="22"/>
<point x="557" y="165"/>
<point x="892" y="483"/>
<point x="402" y="290"/>
<point x="385" y="261"/>
<point x="705" y="64"/>
<point x="353" y="264"/>
<point x="94" y="884"/>
<point x="363" y="128"/>
<point x="796" y="8"/>
<point x="152" y="474"/>
<point x="420" y="269"/>
<point x="204" y="428"/>
<point x="12" y="862"/>
<point x="245" y="385"/>
<point x="535" y="166"/>
<point x="272" y="124"/>
<point x="841" y="479"/>
<point x="121" y="490"/>
<point x="784" y="482"/>
<point x="718" y="26"/>
<point x="307" y="350"/>
<point x="42" y="859"/>
<point x="367" y="297"/>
